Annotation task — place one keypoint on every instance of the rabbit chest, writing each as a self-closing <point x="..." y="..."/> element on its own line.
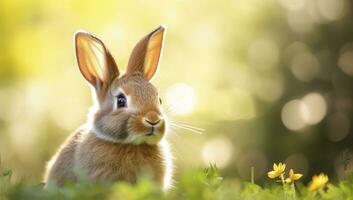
<point x="104" y="161"/>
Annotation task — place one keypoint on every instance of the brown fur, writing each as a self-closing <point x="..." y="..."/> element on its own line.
<point x="117" y="143"/>
<point x="104" y="161"/>
<point x="119" y="161"/>
<point x="60" y="167"/>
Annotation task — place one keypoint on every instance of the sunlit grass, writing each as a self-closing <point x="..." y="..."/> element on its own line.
<point x="195" y="184"/>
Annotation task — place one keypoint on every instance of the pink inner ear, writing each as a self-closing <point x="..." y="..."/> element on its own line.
<point x="96" y="59"/>
<point x="95" y="62"/>
<point x="88" y="53"/>
<point x="153" y="54"/>
<point x="146" y="54"/>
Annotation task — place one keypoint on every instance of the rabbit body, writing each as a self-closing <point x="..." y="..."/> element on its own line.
<point x="107" y="162"/>
<point x="123" y="138"/>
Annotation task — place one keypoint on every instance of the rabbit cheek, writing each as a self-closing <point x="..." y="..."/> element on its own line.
<point x="113" y="126"/>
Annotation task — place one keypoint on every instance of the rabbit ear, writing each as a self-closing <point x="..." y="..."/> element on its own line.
<point x="146" y="55"/>
<point x="94" y="60"/>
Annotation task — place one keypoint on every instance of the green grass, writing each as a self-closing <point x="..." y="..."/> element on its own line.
<point x="198" y="184"/>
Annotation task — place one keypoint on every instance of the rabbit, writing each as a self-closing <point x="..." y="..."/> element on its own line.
<point x="124" y="136"/>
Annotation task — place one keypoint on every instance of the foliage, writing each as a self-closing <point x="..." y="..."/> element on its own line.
<point x="196" y="184"/>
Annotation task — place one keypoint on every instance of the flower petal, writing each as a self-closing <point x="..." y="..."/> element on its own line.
<point x="312" y="186"/>
<point x="318" y="182"/>
<point x="272" y="174"/>
<point x="297" y="176"/>
<point x="275" y="167"/>
<point x="291" y="172"/>
<point x="283" y="167"/>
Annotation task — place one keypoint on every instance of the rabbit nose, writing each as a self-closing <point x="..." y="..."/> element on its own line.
<point x="152" y="123"/>
<point x="152" y="118"/>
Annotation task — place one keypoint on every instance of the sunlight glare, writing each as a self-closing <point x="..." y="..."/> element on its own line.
<point x="219" y="151"/>
<point x="181" y="98"/>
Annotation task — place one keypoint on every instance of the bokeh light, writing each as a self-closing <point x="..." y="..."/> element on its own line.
<point x="219" y="151"/>
<point x="292" y="116"/>
<point x="305" y="66"/>
<point x="181" y="99"/>
<point x="331" y="9"/>
<point x="314" y="108"/>
<point x="345" y="62"/>
<point x="299" y="113"/>
<point x="292" y="5"/>
<point x="300" y="21"/>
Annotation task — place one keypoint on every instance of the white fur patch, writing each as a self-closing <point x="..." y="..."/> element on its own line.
<point x="103" y="136"/>
<point x="168" y="159"/>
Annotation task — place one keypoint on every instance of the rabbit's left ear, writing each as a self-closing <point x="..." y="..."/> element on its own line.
<point x="145" y="57"/>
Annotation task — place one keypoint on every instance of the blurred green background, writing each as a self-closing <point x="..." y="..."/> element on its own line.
<point x="268" y="80"/>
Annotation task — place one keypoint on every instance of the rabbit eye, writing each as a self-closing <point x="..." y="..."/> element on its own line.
<point x="121" y="101"/>
<point x="160" y="101"/>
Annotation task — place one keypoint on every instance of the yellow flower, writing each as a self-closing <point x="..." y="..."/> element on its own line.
<point x="278" y="170"/>
<point x="318" y="182"/>
<point x="293" y="177"/>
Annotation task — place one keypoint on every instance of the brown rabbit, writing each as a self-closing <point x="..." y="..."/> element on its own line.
<point x="124" y="135"/>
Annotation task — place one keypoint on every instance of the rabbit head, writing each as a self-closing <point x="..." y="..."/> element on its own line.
<point x="127" y="108"/>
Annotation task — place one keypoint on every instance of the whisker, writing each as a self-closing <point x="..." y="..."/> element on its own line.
<point x="180" y="122"/>
<point x="186" y="128"/>
<point x="169" y="108"/>
<point x="186" y="125"/>
<point x="190" y="130"/>
<point x="190" y="127"/>
<point x="180" y="125"/>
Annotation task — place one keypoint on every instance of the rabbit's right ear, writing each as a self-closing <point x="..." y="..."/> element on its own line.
<point x="94" y="60"/>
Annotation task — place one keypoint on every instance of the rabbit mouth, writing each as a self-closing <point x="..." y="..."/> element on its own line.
<point x="152" y="132"/>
